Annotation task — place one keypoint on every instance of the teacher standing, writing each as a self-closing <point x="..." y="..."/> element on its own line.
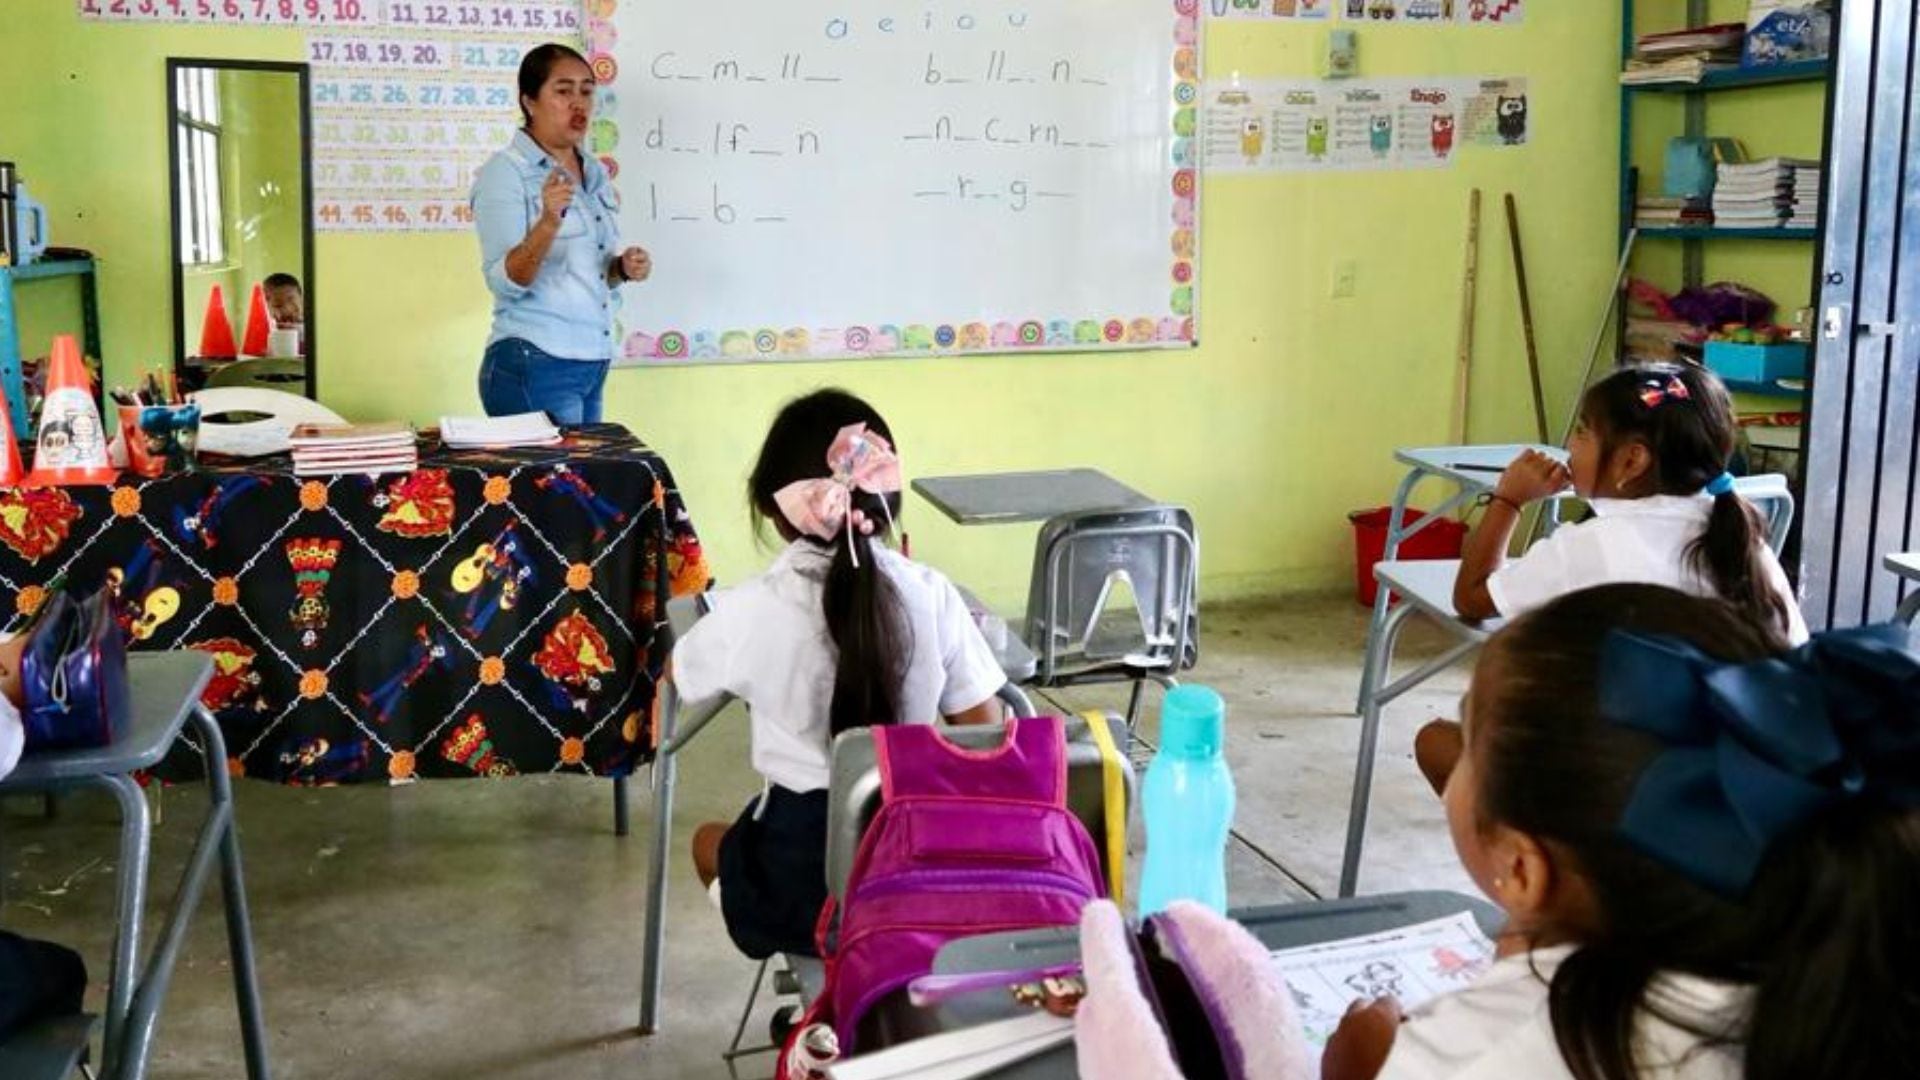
<point x="550" y="248"/>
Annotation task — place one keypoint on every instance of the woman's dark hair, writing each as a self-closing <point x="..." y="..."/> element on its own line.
<point x="1825" y="937"/>
<point x="536" y="66"/>
<point x="861" y="607"/>
<point x="1690" y="437"/>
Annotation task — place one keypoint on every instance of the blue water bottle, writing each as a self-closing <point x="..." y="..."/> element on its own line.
<point x="1189" y="804"/>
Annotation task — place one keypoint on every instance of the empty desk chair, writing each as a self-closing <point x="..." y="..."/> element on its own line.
<point x="1082" y="563"/>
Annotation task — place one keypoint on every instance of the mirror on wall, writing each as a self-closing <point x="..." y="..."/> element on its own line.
<point x="243" y="288"/>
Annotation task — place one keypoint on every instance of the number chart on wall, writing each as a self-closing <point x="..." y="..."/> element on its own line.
<point x="863" y="178"/>
<point x="409" y="97"/>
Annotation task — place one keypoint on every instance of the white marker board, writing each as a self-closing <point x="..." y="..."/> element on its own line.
<point x="819" y="179"/>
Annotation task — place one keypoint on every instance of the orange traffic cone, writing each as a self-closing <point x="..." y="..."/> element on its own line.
<point x="72" y="446"/>
<point x="11" y="468"/>
<point x="258" y="325"/>
<point x="216" y="330"/>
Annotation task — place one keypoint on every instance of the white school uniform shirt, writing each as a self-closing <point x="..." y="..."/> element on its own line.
<point x="1499" y="1028"/>
<point x="1627" y="541"/>
<point x="766" y="642"/>
<point x="13" y="736"/>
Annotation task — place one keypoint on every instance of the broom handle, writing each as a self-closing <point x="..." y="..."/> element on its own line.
<point x="1526" y="318"/>
<point x="1469" y="284"/>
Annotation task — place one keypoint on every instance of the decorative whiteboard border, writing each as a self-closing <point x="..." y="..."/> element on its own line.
<point x="1176" y="328"/>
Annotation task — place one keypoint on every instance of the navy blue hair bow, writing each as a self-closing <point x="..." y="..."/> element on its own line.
<point x="1755" y="749"/>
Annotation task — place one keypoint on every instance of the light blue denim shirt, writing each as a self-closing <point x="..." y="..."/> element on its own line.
<point x="568" y="310"/>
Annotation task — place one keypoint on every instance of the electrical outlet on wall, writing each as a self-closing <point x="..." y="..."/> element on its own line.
<point x="1346" y="275"/>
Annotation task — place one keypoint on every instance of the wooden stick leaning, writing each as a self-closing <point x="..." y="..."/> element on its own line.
<point x="1526" y="318"/>
<point x="1469" y="285"/>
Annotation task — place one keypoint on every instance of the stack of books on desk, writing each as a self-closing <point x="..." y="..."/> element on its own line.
<point x="1684" y="56"/>
<point x="345" y="449"/>
<point x="1761" y="194"/>
<point x="1669" y="213"/>
<point x="524" y="429"/>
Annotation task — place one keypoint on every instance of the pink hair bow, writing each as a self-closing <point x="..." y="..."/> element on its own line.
<point x="821" y="507"/>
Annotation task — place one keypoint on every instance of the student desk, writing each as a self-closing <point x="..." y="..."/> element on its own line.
<point x="1906" y="565"/>
<point x="1282" y="926"/>
<point x="491" y="613"/>
<point x="166" y="690"/>
<point x="1009" y="498"/>
<point x="1471" y="470"/>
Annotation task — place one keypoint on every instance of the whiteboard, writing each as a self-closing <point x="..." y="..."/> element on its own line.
<point x="869" y="178"/>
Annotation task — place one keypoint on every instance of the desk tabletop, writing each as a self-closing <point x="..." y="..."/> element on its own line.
<point x="1279" y="926"/>
<point x="1005" y="498"/>
<point x="1470" y="466"/>
<point x="1904" y="563"/>
<point x="163" y="687"/>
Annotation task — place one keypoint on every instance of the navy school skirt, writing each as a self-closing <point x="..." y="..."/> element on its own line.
<point x="773" y="874"/>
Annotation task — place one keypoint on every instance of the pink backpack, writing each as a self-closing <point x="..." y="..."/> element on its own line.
<point x="966" y="842"/>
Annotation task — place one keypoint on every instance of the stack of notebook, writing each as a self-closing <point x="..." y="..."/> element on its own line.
<point x="1763" y="194"/>
<point x="1668" y="213"/>
<point x="1806" y="196"/>
<point x="523" y="429"/>
<point x="342" y="449"/>
<point x="1684" y="56"/>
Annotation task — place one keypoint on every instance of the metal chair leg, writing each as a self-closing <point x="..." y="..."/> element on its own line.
<point x="652" y="964"/>
<point x="1379" y="657"/>
<point x="246" y="980"/>
<point x="619" y="806"/>
<point x="740" y="1030"/>
<point x="124" y="966"/>
<point x="1377" y="620"/>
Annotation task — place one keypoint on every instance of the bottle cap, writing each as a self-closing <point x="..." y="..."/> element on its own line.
<point x="1192" y="722"/>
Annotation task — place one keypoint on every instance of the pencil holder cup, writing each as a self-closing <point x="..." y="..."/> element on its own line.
<point x="160" y="438"/>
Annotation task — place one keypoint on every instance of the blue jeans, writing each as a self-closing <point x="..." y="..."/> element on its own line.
<point x="516" y="377"/>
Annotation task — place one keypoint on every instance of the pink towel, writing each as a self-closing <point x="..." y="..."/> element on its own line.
<point x="1115" y="1032"/>
<point x="1118" y="1034"/>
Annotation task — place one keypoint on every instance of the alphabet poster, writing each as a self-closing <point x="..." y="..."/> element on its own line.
<point x="1275" y="125"/>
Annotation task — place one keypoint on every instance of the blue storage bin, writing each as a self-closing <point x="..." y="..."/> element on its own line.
<point x="1734" y="362"/>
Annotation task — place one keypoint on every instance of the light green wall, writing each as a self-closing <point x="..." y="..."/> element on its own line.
<point x="1279" y="424"/>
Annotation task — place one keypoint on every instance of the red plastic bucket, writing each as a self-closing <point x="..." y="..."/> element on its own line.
<point x="1438" y="540"/>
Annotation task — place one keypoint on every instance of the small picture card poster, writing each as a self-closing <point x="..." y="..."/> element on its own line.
<point x="1299" y="10"/>
<point x="1495" y="112"/>
<point x="1434" y="12"/>
<point x="1356" y="124"/>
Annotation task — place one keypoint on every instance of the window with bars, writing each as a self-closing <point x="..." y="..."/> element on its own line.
<point x="197" y="133"/>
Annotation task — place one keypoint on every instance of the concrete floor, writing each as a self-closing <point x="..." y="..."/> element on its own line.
<point x="473" y="930"/>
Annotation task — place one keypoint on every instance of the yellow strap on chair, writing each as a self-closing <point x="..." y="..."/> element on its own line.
<point x="1114" y="783"/>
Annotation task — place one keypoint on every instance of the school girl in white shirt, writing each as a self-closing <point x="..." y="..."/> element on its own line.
<point x="840" y="632"/>
<point x="1705" y="847"/>
<point x="1649" y="455"/>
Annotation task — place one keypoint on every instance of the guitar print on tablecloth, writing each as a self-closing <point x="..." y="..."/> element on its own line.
<point x="492" y="613"/>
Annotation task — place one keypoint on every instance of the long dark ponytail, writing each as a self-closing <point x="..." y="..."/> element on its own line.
<point x="1825" y="936"/>
<point x="862" y="610"/>
<point x="1690" y="437"/>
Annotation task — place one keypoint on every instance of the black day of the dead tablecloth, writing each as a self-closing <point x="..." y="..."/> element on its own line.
<point x="490" y="613"/>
